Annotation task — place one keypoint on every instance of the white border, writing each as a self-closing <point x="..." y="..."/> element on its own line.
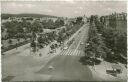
<point x="59" y="0"/>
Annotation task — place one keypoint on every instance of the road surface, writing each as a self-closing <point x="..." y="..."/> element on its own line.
<point x="66" y="65"/>
<point x="24" y="67"/>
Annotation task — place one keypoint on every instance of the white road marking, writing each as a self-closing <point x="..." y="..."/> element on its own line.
<point x="63" y="52"/>
<point x="78" y="43"/>
<point x="69" y="52"/>
<point x="74" y="51"/>
<point x="77" y="54"/>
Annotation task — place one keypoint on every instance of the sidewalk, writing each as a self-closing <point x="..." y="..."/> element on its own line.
<point x="99" y="72"/>
<point x="123" y="75"/>
<point x="15" y="51"/>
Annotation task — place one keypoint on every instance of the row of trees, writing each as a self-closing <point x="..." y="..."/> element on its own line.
<point x="70" y="29"/>
<point x="34" y="31"/>
<point x="21" y="29"/>
<point x="95" y="49"/>
<point x="15" y="28"/>
<point x="50" y="24"/>
<point x="108" y="44"/>
<point x="115" y="40"/>
<point x="59" y="36"/>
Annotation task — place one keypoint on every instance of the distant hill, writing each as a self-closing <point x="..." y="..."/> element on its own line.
<point x="5" y="16"/>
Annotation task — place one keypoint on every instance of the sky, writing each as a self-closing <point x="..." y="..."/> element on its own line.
<point x="64" y="8"/>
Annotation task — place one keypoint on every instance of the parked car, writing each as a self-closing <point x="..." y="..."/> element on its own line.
<point x="112" y="72"/>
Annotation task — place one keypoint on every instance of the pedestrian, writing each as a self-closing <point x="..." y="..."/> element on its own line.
<point x="40" y="54"/>
<point x="16" y="46"/>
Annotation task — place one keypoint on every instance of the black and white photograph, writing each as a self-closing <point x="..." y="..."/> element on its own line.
<point x="63" y="41"/>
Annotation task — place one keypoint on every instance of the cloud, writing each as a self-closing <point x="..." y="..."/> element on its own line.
<point x="76" y="12"/>
<point x="63" y="7"/>
<point x="17" y="5"/>
<point x="81" y="8"/>
<point x="70" y="1"/>
<point x="109" y="9"/>
<point x="47" y="10"/>
<point x="13" y="4"/>
<point x="29" y="5"/>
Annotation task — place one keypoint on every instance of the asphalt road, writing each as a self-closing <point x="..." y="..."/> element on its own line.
<point x="24" y="67"/>
<point x="66" y="65"/>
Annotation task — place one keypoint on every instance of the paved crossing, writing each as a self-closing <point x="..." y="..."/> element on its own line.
<point x="76" y="49"/>
<point x="66" y="64"/>
<point x="71" y="52"/>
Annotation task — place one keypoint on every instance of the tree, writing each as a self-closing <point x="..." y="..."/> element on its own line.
<point x="114" y="40"/>
<point x="41" y="42"/>
<point x="121" y="44"/>
<point x="49" y="24"/>
<point x="59" y="23"/>
<point x="79" y="20"/>
<point x="10" y="41"/>
<point x="33" y="45"/>
<point x="36" y="27"/>
<point x="60" y="39"/>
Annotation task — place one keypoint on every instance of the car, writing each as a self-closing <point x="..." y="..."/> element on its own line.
<point x="112" y="72"/>
<point x="65" y="48"/>
<point x="87" y="44"/>
<point x="50" y="67"/>
<point x="51" y="51"/>
<point x="81" y="43"/>
<point x="3" y="54"/>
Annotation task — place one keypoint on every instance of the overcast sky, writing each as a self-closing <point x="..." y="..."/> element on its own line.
<point x="64" y="8"/>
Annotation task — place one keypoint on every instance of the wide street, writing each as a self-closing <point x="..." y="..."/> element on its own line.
<point x="66" y="65"/>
